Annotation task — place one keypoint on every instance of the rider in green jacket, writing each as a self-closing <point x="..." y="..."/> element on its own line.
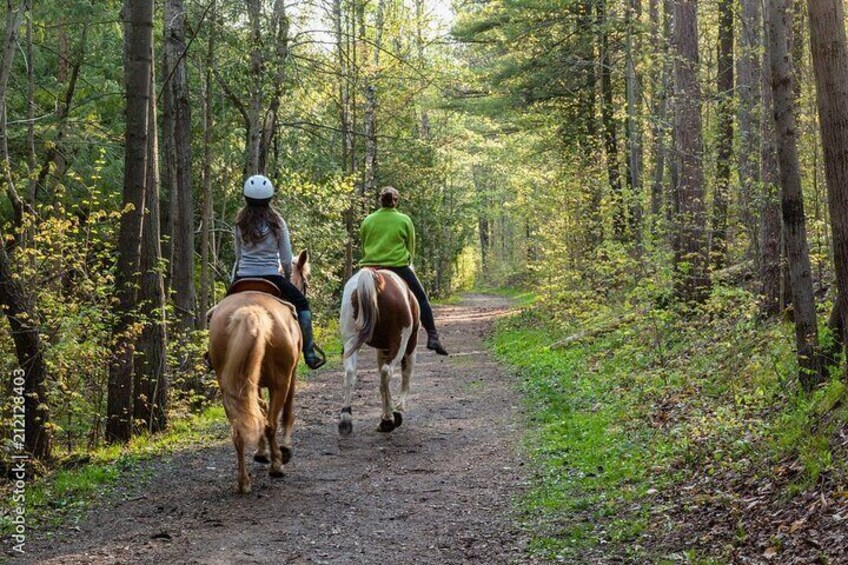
<point x="388" y="242"/>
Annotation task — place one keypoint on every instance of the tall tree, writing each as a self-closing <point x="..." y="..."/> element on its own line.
<point x="609" y="122"/>
<point x="830" y="64"/>
<point x="138" y="50"/>
<point x="750" y="96"/>
<point x="724" y="88"/>
<point x="633" y="125"/>
<point x="177" y="126"/>
<point x="206" y="283"/>
<point x="690" y="223"/>
<point x="150" y="385"/>
<point x="780" y="19"/>
<point x="14" y="300"/>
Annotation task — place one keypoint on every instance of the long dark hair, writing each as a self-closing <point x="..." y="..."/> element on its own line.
<point x="251" y="221"/>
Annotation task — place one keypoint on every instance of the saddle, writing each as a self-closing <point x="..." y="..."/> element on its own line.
<point x="255" y="285"/>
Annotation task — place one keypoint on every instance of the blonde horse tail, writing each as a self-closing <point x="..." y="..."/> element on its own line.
<point x="249" y="330"/>
<point x="366" y="309"/>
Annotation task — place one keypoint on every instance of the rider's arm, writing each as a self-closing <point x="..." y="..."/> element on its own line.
<point x="410" y="241"/>
<point x="285" y="251"/>
<point x="238" y="252"/>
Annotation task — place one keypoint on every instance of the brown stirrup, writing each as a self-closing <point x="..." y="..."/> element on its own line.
<point x="257" y="285"/>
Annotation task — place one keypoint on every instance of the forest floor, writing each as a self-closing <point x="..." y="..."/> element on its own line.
<point x="440" y="489"/>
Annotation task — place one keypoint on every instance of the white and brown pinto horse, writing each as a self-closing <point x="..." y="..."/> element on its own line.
<point x="255" y="342"/>
<point x="379" y="310"/>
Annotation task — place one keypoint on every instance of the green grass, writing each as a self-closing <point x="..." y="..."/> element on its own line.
<point x="521" y="297"/>
<point x="617" y="417"/>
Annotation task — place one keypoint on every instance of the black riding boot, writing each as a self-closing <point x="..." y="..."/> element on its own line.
<point x="313" y="360"/>
<point x="434" y="344"/>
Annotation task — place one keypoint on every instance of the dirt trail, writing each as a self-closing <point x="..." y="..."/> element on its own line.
<point x="437" y="490"/>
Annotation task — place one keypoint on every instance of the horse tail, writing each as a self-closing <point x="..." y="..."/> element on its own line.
<point x="367" y="313"/>
<point x="249" y="330"/>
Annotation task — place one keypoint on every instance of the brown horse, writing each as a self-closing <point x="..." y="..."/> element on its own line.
<point x="379" y="310"/>
<point x="254" y="342"/>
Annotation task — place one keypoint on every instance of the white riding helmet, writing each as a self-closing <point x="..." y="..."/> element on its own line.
<point x="258" y="190"/>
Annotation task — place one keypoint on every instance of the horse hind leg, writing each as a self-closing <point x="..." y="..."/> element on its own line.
<point x="277" y="399"/>
<point x="243" y="476"/>
<point x="346" y="417"/>
<point x="387" y="419"/>
<point x="407" y="366"/>
<point x="261" y="453"/>
<point x="288" y="417"/>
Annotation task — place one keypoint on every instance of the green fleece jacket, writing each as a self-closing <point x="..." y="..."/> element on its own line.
<point x="388" y="239"/>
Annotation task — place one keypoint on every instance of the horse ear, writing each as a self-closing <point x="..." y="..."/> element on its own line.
<point x="303" y="258"/>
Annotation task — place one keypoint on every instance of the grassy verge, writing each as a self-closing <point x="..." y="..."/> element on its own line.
<point x="627" y="414"/>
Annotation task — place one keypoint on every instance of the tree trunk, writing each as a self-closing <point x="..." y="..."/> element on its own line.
<point x="750" y="96"/>
<point x="175" y="73"/>
<point x="660" y="77"/>
<point x="369" y="187"/>
<point x="771" y="262"/>
<point x="150" y="386"/>
<point x="690" y="250"/>
<point x="792" y="201"/>
<point x="634" y="124"/>
<point x="254" y="127"/>
<point x="206" y="282"/>
<point x="280" y="33"/>
<point x="718" y="247"/>
<point x="608" y="119"/>
<point x="830" y="64"/>
<point x="138" y="31"/>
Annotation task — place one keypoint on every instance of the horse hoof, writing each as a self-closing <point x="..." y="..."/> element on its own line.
<point x="386" y="426"/>
<point x="244" y="489"/>
<point x="398" y="419"/>
<point x="261" y="458"/>
<point x="287" y="454"/>
<point x="276" y="473"/>
<point x="345" y="428"/>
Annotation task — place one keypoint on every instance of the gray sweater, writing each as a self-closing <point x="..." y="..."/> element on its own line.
<point x="268" y="256"/>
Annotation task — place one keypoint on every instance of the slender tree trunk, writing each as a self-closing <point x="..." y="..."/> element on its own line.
<point x="206" y="282"/>
<point x="175" y="73"/>
<point x="690" y="250"/>
<point x="718" y="248"/>
<point x="750" y="96"/>
<point x="634" y="123"/>
<point x="254" y="126"/>
<point x="31" y="159"/>
<point x="792" y="200"/>
<point x="280" y="34"/>
<point x="660" y="77"/>
<point x="138" y="50"/>
<point x="830" y="64"/>
<point x="150" y="385"/>
<point x="370" y="115"/>
<point x="344" y="126"/>
<point x="608" y="120"/>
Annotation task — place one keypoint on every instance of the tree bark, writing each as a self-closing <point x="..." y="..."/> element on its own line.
<point x="830" y="64"/>
<point x="138" y="30"/>
<point x="750" y="96"/>
<point x="634" y="124"/>
<point x="692" y="283"/>
<point x="660" y="78"/>
<point x="724" y="151"/>
<point x="370" y="115"/>
<point x="150" y="385"/>
<point x="792" y="201"/>
<point x="182" y="199"/>
<point x="206" y="282"/>
<point x="608" y="119"/>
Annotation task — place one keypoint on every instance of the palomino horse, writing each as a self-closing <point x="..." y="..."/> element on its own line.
<point x="378" y="309"/>
<point x="254" y="342"/>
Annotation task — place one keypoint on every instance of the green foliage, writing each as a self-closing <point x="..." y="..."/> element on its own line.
<point x="638" y="406"/>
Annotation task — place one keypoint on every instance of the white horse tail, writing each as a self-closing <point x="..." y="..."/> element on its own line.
<point x="365" y="309"/>
<point x="249" y="330"/>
